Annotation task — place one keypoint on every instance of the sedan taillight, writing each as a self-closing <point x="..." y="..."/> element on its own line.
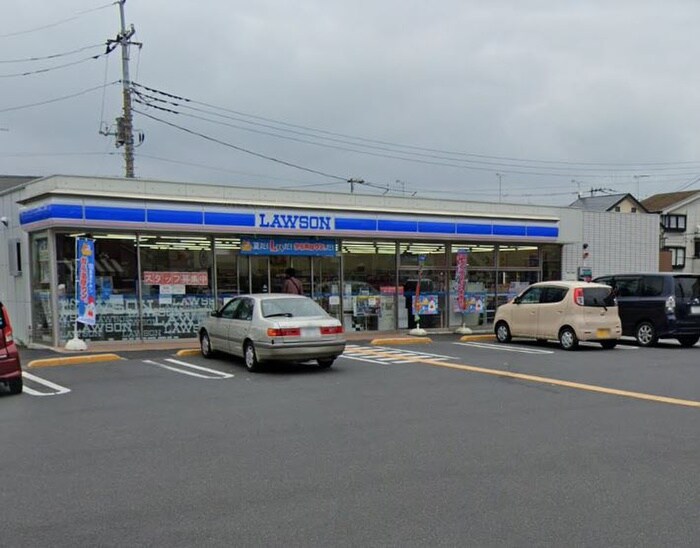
<point x="332" y="330"/>
<point x="284" y="332"/>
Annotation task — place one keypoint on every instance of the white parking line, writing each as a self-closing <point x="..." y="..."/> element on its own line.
<point x="217" y="375"/>
<point x="487" y="346"/>
<point x="59" y="390"/>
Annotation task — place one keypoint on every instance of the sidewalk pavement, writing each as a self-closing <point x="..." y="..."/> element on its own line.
<point x="36" y="352"/>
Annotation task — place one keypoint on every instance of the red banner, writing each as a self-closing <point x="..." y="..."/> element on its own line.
<point x="175" y="278"/>
<point x="462" y="265"/>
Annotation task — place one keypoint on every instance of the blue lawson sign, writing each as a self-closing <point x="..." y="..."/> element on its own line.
<point x="287" y="246"/>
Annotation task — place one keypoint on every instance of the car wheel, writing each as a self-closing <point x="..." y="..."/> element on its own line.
<point x="688" y="340"/>
<point x="608" y="345"/>
<point x="15" y="385"/>
<point x="568" y="339"/>
<point x="326" y="362"/>
<point x="646" y="334"/>
<point x="205" y="345"/>
<point x="251" y="358"/>
<point x="503" y="332"/>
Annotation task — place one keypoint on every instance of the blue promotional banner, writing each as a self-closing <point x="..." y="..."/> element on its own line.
<point x="86" y="291"/>
<point x="287" y="246"/>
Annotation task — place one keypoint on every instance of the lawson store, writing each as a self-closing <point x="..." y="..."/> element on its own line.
<point x="168" y="253"/>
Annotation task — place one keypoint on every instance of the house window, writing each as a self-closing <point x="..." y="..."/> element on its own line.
<point x="677" y="256"/>
<point x="697" y="249"/>
<point x="673" y="223"/>
<point x="617" y="208"/>
<point x="634" y="210"/>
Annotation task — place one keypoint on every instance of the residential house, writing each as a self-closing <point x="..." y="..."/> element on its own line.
<point x="620" y="203"/>
<point x="680" y="227"/>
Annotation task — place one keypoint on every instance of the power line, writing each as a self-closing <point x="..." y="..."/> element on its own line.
<point x="56" y="23"/>
<point x="240" y="149"/>
<point x="436" y="162"/>
<point x="62" y="98"/>
<point x="56" y="67"/>
<point x="602" y="166"/>
<point x="52" y="56"/>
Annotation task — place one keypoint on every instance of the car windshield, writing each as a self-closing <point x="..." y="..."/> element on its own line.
<point x="688" y="287"/>
<point x="290" y="308"/>
<point x="598" y="296"/>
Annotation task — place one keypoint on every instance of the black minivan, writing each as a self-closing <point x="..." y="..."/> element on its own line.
<point x="658" y="305"/>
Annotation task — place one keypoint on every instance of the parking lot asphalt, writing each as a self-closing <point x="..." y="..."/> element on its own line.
<point x="43" y="356"/>
<point x="395" y="445"/>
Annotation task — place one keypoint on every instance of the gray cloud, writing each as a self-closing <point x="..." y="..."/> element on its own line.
<point x="583" y="83"/>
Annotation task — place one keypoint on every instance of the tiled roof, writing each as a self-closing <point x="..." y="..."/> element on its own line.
<point x="602" y="203"/>
<point x="659" y="202"/>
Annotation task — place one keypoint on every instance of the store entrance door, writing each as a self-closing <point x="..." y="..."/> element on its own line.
<point x="302" y="271"/>
<point x="432" y="300"/>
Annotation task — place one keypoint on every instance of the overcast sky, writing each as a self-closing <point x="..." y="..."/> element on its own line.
<point x="456" y="98"/>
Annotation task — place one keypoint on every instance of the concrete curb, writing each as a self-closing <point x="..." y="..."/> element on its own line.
<point x="73" y="360"/>
<point x="477" y="338"/>
<point x="188" y="352"/>
<point x="401" y="340"/>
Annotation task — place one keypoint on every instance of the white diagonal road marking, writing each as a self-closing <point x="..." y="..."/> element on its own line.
<point x="217" y="375"/>
<point x="59" y="390"/>
<point x="523" y="350"/>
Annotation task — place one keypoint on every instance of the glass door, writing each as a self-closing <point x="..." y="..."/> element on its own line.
<point x="423" y="277"/>
<point x="326" y="284"/>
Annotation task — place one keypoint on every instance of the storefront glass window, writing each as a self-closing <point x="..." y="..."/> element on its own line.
<point x="42" y="318"/>
<point x="511" y="256"/>
<point x="369" y="286"/>
<point x="326" y="284"/>
<point x="480" y="256"/>
<point x="551" y="262"/>
<point x="480" y="289"/>
<point x="430" y="259"/>
<point x="511" y="283"/>
<point x="116" y="280"/>
<point x="176" y="281"/>
<point x="231" y="269"/>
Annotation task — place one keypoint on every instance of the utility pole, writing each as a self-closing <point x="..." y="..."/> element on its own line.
<point x="125" y="124"/>
<point x="352" y="184"/>
<point x="636" y="178"/>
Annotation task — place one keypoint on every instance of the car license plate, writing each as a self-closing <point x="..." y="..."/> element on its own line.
<point x="602" y="333"/>
<point x="309" y="331"/>
<point x="695" y="309"/>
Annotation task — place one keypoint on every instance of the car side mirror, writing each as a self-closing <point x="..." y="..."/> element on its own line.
<point x="517" y="300"/>
<point x="215" y="314"/>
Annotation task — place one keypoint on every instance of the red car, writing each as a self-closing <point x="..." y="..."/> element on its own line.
<point x="10" y="368"/>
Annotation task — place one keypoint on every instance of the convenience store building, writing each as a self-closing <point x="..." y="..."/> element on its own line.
<point x="167" y="253"/>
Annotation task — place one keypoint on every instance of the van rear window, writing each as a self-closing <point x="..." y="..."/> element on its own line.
<point x="688" y="287"/>
<point x="597" y="296"/>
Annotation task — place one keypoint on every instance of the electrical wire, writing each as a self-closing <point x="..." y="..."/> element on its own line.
<point x="62" y="98"/>
<point x="601" y="165"/>
<point x="240" y="149"/>
<point x="57" y="23"/>
<point x="56" y="67"/>
<point x="52" y="56"/>
<point x="469" y="166"/>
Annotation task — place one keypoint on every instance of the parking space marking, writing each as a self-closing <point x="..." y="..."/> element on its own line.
<point x="563" y="383"/>
<point x="214" y="374"/>
<point x="505" y="348"/>
<point x="58" y="389"/>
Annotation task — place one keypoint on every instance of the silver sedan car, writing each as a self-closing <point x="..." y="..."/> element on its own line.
<point x="271" y="326"/>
